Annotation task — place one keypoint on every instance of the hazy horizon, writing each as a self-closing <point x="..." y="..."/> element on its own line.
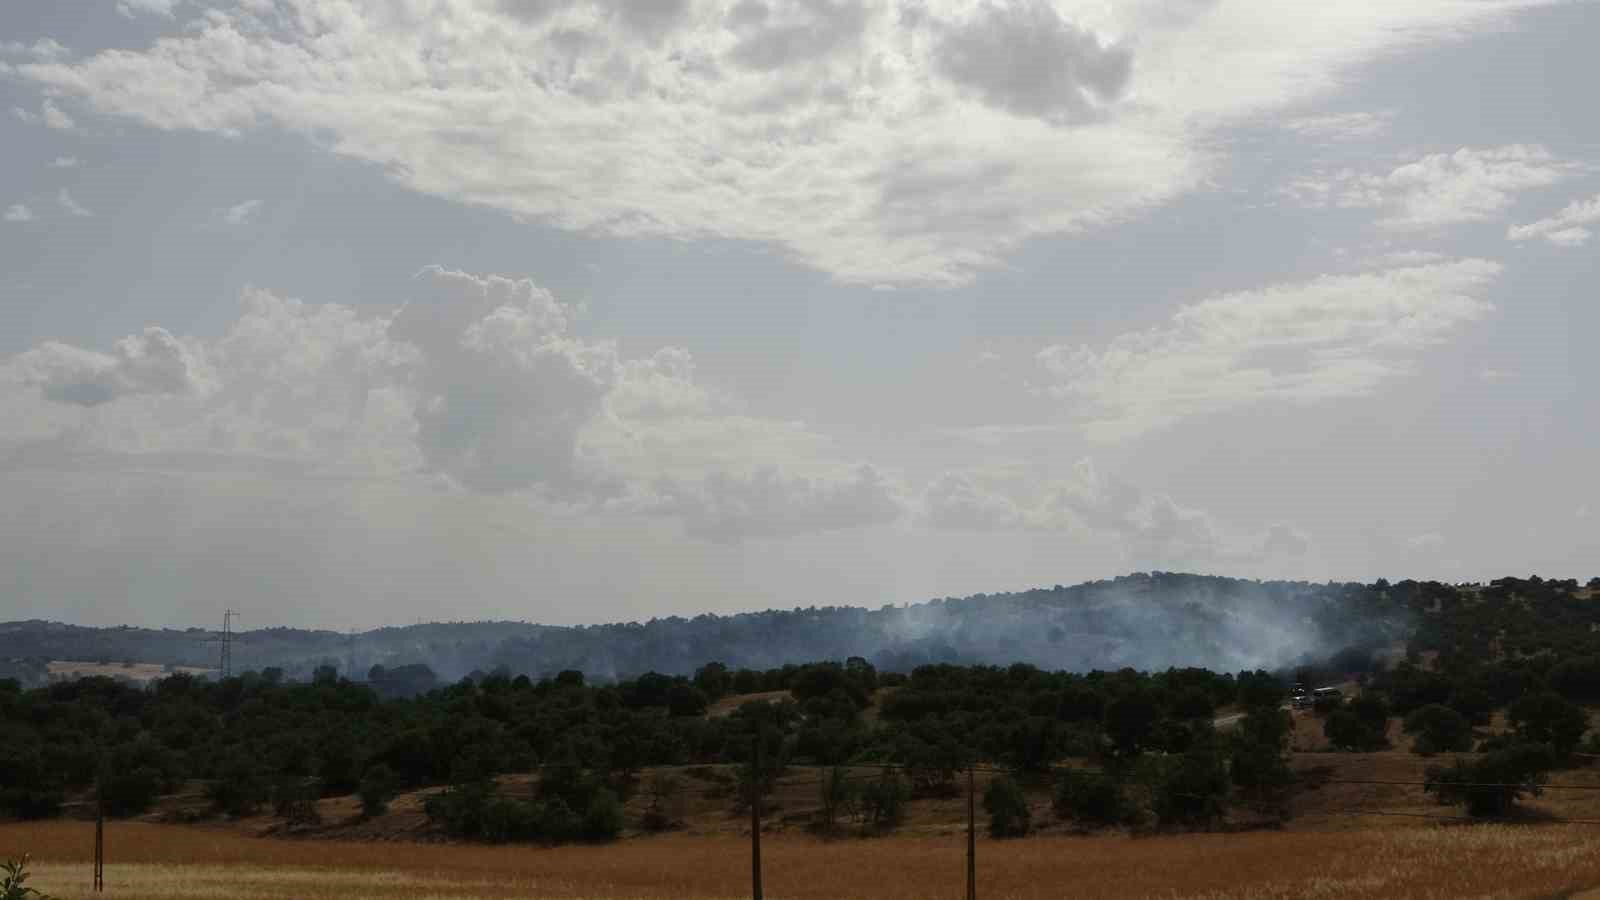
<point x="350" y="313"/>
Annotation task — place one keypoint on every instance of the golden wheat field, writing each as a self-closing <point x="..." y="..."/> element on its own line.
<point x="146" y="862"/>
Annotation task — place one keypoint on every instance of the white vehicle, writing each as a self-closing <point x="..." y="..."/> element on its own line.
<point x="1328" y="694"/>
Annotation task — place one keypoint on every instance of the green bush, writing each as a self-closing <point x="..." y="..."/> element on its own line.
<point x="1439" y="729"/>
<point x="14" y="885"/>
<point x="1091" y="798"/>
<point x="1191" y="789"/>
<point x="1550" y="720"/>
<point x="1007" y="807"/>
<point x="1345" y="730"/>
<point x="882" y="802"/>
<point x="376" y="790"/>
<point x="603" y="820"/>
<point x="1492" y="786"/>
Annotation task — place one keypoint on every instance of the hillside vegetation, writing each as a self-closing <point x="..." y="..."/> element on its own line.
<point x="1144" y="621"/>
<point x="1502" y="673"/>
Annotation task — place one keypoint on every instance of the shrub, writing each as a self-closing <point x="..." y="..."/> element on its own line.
<point x="602" y="821"/>
<point x="14" y="885"/>
<point x="1090" y="798"/>
<point x="1007" y="807"/>
<point x="1189" y="789"/>
<point x="376" y="790"/>
<point x="129" y="792"/>
<point x="882" y="802"/>
<point x="295" y="799"/>
<point x="662" y="812"/>
<point x="1345" y="730"/>
<point x="837" y="795"/>
<point x="1491" y="786"/>
<point x="1439" y="729"/>
<point x="1548" y="719"/>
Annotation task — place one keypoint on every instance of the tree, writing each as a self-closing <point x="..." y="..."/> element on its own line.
<point x="1007" y="807"/>
<point x="1259" y="765"/>
<point x="1188" y="789"/>
<point x="1090" y="798"/>
<point x="662" y="790"/>
<point x="882" y="801"/>
<point x="1130" y="720"/>
<point x="1492" y="786"/>
<point x="377" y="789"/>
<point x="837" y="796"/>
<point x="1438" y="729"/>
<point x="1548" y="719"/>
<point x="1345" y="730"/>
<point x="602" y="818"/>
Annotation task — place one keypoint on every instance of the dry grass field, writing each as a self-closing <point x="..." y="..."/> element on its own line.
<point x="147" y="862"/>
<point x="66" y="668"/>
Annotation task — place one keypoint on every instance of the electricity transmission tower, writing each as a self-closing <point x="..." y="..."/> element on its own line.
<point x="227" y="643"/>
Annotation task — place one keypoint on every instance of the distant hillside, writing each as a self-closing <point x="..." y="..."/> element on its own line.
<point x="1147" y="621"/>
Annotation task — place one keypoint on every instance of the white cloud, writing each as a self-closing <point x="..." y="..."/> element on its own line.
<point x="65" y="162"/>
<point x="64" y="197"/>
<point x="131" y="8"/>
<point x="44" y="48"/>
<point x="241" y="213"/>
<point x="1335" y="336"/>
<point x="1426" y="543"/>
<point x="50" y="115"/>
<point x="1350" y="126"/>
<point x="878" y="141"/>
<point x="1152" y="529"/>
<point x="477" y="382"/>
<point x="18" y="212"/>
<point x="1469" y="185"/>
<point x="1565" y="228"/>
<point x="154" y="362"/>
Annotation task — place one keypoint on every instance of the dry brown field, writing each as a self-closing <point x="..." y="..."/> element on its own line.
<point x="66" y="668"/>
<point x="147" y="862"/>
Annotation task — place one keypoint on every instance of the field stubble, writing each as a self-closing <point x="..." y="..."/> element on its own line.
<point x="146" y="862"/>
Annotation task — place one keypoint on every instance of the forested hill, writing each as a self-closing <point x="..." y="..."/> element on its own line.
<point x="1146" y="621"/>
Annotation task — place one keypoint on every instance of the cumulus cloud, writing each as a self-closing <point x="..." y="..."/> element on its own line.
<point x="503" y="388"/>
<point x="1150" y="527"/>
<point x="1021" y="56"/>
<point x="153" y="362"/>
<point x="1566" y="228"/>
<point x="19" y="212"/>
<point x="1469" y="185"/>
<point x="64" y="198"/>
<point x="475" y="381"/>
<point x="884" y="142"/>
<point x="1334" y="336"/>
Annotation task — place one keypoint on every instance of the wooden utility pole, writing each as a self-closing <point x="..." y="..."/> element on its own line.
<point x="99" y="843"/>
<point x="972" y="837"/>
<point x="755" y="820"/>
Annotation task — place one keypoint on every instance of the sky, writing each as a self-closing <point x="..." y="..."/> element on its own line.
<point x="345" y="313"/>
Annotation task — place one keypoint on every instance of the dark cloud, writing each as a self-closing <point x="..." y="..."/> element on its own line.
<point x="1024" y="58"/>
